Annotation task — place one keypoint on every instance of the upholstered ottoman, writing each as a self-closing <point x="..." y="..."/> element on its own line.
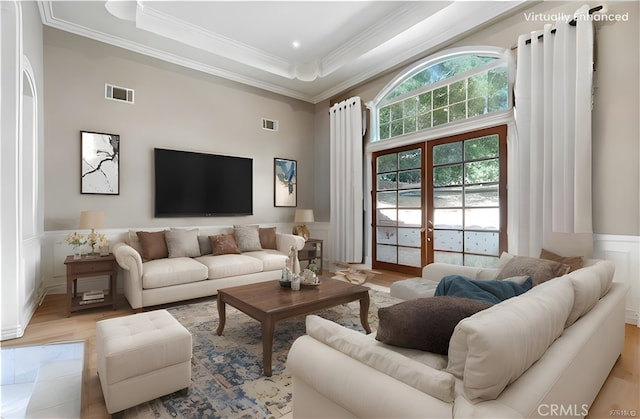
<point x="142" y="357"/>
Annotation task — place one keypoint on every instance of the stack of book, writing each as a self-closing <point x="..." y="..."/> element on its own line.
<point x="90" y="297"/>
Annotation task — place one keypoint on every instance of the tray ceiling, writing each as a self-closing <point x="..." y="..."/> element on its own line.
<point x="308" y="50"/>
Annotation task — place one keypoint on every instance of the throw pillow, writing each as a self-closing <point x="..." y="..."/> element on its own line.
<point x="425" y="323"/>
<point x="268" y="237"/>
<point x="574" y="262"/>
<point x="133" y="241"/>
<point x="247" y="238"/>
<point x="491" y="292"/>
<point x="223" y="244"/>
<point x="205" y="245"/>
<point x="520" y="280"/>
<point x="153" y="245"/>
<point x="182" y="243"/>
<point x="540" y="270"/>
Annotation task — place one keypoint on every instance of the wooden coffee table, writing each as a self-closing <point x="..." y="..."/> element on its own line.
<point x="270" y="303"/>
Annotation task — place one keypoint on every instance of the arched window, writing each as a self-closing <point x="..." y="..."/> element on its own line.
<point x="456" y="85"/>
<point x="450" y="204"/>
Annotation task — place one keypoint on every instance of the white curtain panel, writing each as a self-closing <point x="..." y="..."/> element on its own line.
<point x="346" y="189"/>
<point x="550" y="165"/>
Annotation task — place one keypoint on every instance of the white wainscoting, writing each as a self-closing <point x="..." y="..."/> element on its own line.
<point x="54" y="251"/>
<point x="624" y="251"/>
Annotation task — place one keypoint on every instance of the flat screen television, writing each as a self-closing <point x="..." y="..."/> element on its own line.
<point x="191" y="184"/>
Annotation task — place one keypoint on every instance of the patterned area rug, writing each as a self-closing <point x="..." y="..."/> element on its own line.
<point x="226" y="376"/>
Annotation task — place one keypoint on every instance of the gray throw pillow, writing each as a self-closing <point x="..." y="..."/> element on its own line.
<point x="205" y="245"/>
<point x="247" y="238"/>
<point x="425" y="323"/>
<point x="540" y="270"/>
<point x="182" y="243"/>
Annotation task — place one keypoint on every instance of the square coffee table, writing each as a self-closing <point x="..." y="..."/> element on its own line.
<point x="270" y="303"/>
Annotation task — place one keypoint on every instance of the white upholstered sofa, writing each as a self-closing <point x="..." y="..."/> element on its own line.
<point x="546" y="351"/>
<point x="191" y="270"/>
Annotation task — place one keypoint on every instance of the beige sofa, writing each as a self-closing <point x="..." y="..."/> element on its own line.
<point x="544" y="353"/>
<point x="201" y="274"/>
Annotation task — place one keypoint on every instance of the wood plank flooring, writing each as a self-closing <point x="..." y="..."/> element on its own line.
<point x="619" y="396"/>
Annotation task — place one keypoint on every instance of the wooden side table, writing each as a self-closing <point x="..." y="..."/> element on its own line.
<point x="312" y="250"/>
<point x="89" y="267"/>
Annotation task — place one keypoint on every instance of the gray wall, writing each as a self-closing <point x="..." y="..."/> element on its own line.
<point x="174" y="108"/>
<point x="616" y="152"/>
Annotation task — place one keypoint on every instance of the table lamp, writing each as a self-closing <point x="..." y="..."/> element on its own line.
<point x="91" y="220"/>
<point x="303" y="216"/>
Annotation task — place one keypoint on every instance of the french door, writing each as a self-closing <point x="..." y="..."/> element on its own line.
<point x="441" y="201"/>
<point x="467" y="198"/>
<point x="398" y="219"/>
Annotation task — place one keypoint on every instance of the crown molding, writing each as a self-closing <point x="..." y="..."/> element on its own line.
<point x="437" y="32"/>
<point x="405" y="16"/>
<point x="159" y="23"/>
<point x="49" y="19"/>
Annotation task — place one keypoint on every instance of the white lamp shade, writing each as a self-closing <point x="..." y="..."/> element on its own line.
<point x="92" y="219"/>
<point x="304" y="216"/>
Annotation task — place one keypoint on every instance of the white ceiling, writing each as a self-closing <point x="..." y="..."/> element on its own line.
<point x="341" y="43"/>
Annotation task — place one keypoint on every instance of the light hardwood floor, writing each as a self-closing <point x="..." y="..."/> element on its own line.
<point x="619" y="396"/>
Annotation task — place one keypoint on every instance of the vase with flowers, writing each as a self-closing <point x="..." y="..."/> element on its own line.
<point x="103" y="244"/>
<point x="76" y="240"/>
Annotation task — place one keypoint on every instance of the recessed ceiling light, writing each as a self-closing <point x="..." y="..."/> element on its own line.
<point x="295" y="44"/>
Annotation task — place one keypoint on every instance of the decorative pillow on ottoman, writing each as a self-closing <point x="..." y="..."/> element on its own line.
<point x="425" y="323"/>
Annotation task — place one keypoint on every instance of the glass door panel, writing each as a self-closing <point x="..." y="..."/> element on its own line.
<point x="466" y="187"/>
<point x="399" y="210"/>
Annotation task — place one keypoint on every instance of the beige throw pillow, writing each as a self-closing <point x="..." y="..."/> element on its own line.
<point x="182" y="243"/>
<point x="494" y="347"/>
<point x="247" y="238"/>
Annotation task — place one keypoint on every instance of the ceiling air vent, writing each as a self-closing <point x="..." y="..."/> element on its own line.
<point x="269" y="124"/>
<point x="121" y="94"/>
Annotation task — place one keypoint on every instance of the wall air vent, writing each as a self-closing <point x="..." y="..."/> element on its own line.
<point x="120" y="94"/>
<point x="269" y="124"/>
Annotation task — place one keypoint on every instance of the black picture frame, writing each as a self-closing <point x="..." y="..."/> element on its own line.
<point x="285" y="186"/>
<point x="100" y="163"/>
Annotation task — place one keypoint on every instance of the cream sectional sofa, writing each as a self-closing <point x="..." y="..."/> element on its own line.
<point x="202" y="274"/>
<point x="544" y="353"/>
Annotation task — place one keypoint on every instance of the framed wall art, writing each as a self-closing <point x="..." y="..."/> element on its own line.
<point x="100" y="173"/>
<point x="285" y="188"/>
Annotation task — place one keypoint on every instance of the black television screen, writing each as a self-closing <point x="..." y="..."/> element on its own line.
<point x="190" y="184"/>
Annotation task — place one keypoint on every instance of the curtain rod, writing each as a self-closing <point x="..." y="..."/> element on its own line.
<point x="572" y="22"/>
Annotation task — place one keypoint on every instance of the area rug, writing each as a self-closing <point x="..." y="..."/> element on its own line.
<point x="227" y="379"/>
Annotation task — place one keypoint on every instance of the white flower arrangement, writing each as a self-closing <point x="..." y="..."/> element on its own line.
<point x="75" y="239"/>
<point x="102" y="240"/>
